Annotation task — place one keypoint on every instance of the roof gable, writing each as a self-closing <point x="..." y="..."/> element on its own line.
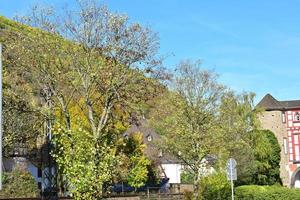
<point x="268" y="103"/>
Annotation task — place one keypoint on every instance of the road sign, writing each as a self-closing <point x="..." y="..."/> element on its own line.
<point x="231" y="170"/>
<point x="231" y="174"/>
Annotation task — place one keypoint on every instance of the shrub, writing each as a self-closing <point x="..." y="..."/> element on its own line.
<point x="254" y="192"/>
<point x="187" y="195"/>
<point x="215" y="187"/>
<point x="18" y="183"/>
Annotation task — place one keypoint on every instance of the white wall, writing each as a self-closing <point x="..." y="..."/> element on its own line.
<point x="173" y="172"/>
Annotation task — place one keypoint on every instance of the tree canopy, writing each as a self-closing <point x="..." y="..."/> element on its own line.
<point x="97" y="87"/>
<point x="92" y="73"/>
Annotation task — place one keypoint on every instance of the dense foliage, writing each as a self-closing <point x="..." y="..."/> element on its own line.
<point x="203" y="123"/>
<point x="267" y="158"/>
<point x="215" y="187"/>
<point x="97" y="87"/>
<point x="100" y="73"/>
<point x="251" y="192"/>
<point x="18" y="184"/>
<point x="22" y="122"/>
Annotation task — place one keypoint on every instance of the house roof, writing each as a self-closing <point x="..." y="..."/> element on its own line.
<point x="269" y="103"/>
<point x="153" y="149"/>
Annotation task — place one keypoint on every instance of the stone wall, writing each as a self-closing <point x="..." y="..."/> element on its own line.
<point x="272" y="120"/>
<point x="124" y="198"/>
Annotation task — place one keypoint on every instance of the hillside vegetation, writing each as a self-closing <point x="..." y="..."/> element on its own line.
<point x="94" y="98"/>
<point x="90" y="74"/>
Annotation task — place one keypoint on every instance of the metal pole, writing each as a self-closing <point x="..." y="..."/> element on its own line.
<point x="1" y="127"/>
<point x="231" y="177"/>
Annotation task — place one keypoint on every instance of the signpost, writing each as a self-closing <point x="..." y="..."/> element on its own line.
<point x="231" y="173"/>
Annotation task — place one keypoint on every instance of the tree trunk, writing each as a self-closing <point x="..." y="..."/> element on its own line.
<point x="197" y="189"/>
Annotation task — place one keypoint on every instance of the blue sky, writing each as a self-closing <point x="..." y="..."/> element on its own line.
<point x="253" y="45"/>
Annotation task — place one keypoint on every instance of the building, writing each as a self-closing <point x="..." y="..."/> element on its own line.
<point x="168" y="165"/>
<point x="283" y="119"/>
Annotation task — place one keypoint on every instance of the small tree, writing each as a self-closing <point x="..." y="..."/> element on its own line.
<point x="138" y="174"/>
<point x="75" y="154"/>
<point x="134" y="165"/>
<point x="215" y="187"/>
<point x="19" y="184"/>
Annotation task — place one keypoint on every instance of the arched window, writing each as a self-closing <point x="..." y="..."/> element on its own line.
<point x="149" y="138"/>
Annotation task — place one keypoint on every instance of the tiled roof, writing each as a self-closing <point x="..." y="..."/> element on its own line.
<point x="268" y="102"/>
<point x="152" y="147"/>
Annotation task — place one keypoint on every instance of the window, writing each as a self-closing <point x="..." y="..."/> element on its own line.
<point x="149" y="138"/>
<point x="283" y="117"/>
<point x="285" y="145"/>
<point x="297" y="116"/>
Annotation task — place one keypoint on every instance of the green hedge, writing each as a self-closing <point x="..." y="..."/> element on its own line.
<point x="215" y="187"/>
<point x="254" y="192"/>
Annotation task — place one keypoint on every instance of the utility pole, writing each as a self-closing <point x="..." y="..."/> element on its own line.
<point x="1" y="120"/>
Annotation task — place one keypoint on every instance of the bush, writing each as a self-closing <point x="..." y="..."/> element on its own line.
<point x="215" y="187"/>
<point x="18" y="183"/>
<point x="187" y="195"/>
<point x="254" y="192"/>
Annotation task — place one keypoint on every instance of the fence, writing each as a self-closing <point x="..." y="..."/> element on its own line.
<point x="175" y="192"/>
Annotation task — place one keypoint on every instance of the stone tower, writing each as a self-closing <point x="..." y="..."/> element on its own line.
<point x="283" y="119"/>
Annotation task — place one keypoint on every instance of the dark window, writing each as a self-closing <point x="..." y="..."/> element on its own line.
<point x="39" y="173"/>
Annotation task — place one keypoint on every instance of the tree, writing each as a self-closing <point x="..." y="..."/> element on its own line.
<point x="237" y="120"/>
<point x="75" y="155"/>
<point x="257" y="151"/>
<point x="22" y="121"/>
<point x="267" y="158"/>
<point x="201" y="120"/>
<point x="186" y="116"/>
<point x="138" y="174"/>
<point x="93" y="67"/>
<point x="106" y="69"/>
<point x="133" y="164"/>
<point x="19" y="184"/>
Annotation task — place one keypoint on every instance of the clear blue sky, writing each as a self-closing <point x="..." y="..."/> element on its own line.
<point x="253" y="45"/>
